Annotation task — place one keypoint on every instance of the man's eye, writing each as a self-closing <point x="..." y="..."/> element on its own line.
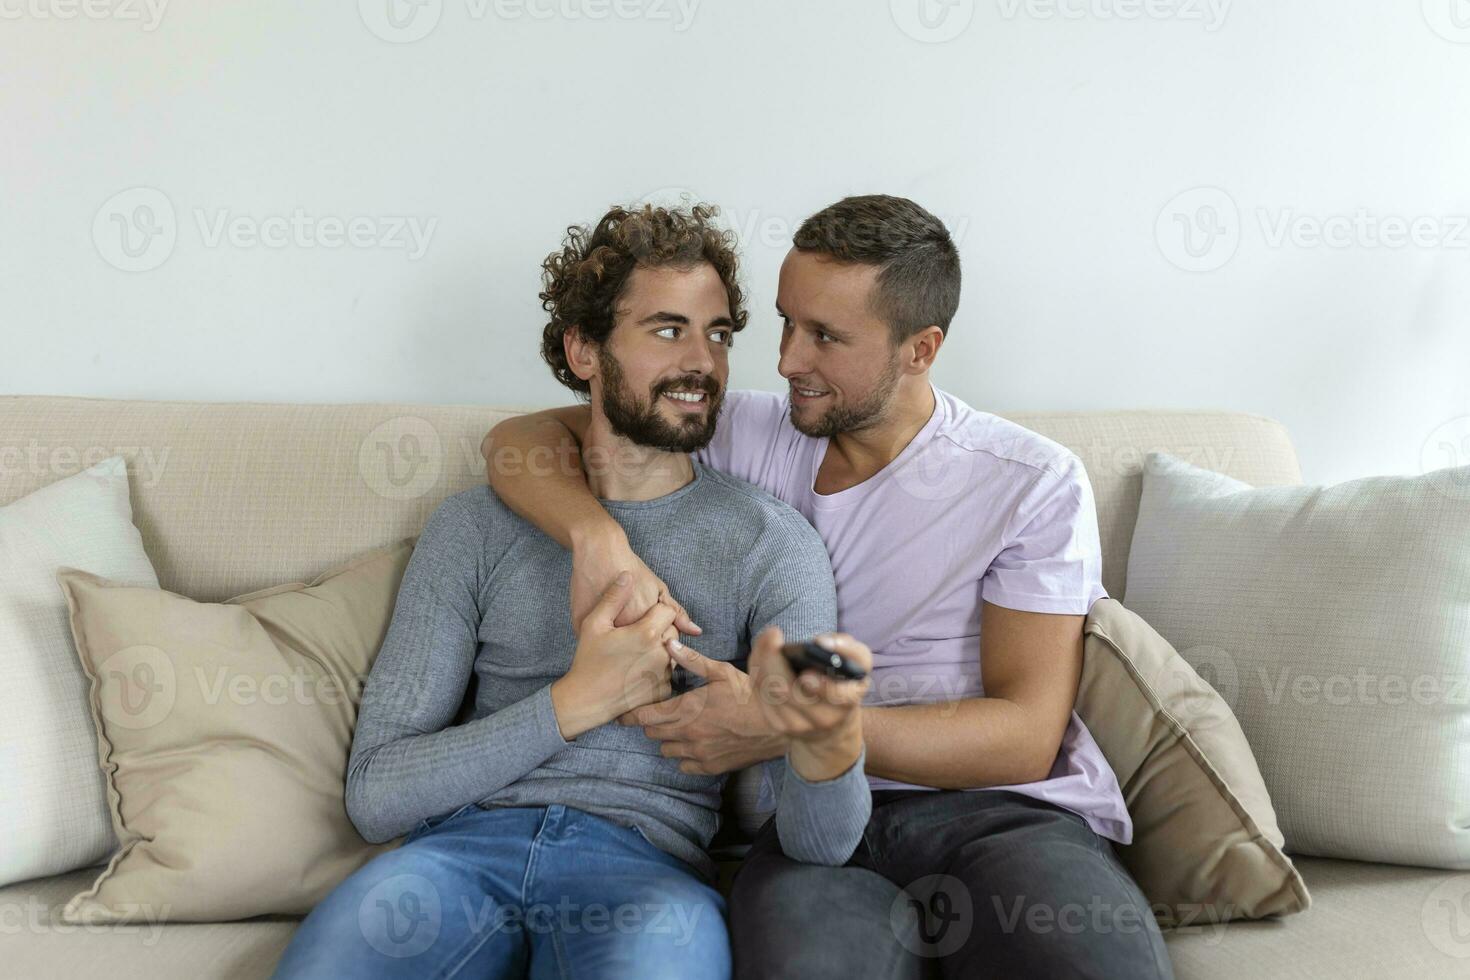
<point x="823" y="337"/>
<point x="722" y="336"/>
<point x="663" y="330"/>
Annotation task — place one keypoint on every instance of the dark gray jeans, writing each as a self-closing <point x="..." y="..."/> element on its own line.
<point x="948" y="884"/>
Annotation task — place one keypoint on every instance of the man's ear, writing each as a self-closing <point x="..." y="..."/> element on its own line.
<point x="581" y="354"/>
<point x="924" y="347"/>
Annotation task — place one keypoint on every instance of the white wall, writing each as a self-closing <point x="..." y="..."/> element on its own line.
<point x="1054" y="137"/>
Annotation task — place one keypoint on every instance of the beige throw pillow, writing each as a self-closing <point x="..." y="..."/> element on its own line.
<point x="1206" y="847"/>
<point x="223" y="731"/>
<point x="1335" y="621"/>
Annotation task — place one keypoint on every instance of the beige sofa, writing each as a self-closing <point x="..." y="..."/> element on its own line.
<point x="235" y="497"/>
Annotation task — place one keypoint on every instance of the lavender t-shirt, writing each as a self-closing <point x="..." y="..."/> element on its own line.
<point x="974" y="508"/>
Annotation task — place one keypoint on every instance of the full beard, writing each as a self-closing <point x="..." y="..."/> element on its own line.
<point x="640" y="422"/>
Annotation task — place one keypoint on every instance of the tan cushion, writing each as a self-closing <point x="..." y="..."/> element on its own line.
<point x="1206" y="847"/>
<point x="223" y="731"/>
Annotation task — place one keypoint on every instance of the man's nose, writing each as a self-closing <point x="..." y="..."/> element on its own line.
<point x="795" y="359"/>
<point x="695" y="357"/>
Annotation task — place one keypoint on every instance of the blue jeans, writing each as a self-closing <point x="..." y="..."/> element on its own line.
<point x="517" y="892"/>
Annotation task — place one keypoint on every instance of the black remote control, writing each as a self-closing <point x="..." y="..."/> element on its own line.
<point x="810" y="656"/>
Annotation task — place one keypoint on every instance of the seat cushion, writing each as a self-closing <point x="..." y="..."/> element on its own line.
<point x="1366" y="920"/>
<point x="35" y="942"/>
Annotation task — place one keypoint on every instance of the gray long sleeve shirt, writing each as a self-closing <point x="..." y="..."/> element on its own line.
<point x="457" y="708"/>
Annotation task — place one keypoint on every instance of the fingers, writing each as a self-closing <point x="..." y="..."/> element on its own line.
<point x="642" y="597"/>
<point x="614" y="597"/>
<point x="767" y="665"/>
<point x="658" y="713"/>
<point x="837" y="691"/>
<point x="686" y="625"/>
<point x="696" y="662"/>
<point x="806" y="702"/>
<point x="682" y="620"/>
<point x="768" y="668"/>
<point x="654" y="623"/>
<point x="664" y="733"/>
<point x="675" y="750"/>
<point x="843" y="643"/>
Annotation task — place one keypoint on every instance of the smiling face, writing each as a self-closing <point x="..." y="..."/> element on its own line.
<point x="836" y="353"/>
<point x="660" y="377"/>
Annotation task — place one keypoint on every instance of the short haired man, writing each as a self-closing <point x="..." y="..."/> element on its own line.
<point x="966" y="555"/>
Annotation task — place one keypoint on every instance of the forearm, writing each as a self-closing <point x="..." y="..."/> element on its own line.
<point x="395" y="778"/>
<point x="534" y="465"/>
<point x="963" y="744"/>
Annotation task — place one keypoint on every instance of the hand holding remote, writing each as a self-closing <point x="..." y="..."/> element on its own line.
<point x="820" y="714"/>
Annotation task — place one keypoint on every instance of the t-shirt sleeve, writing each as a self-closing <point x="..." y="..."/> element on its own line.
<point x="750" y="438"/>
<point x="1051" y="561"/>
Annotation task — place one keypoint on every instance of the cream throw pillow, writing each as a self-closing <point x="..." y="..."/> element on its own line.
<point x="1206" y="847"/>
<point x="1336" y="622"/>
<point x="223" y="731"/>
<point x="53" y="811"/>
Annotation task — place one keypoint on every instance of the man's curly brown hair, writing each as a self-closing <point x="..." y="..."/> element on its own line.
<point x="583" y="280"/>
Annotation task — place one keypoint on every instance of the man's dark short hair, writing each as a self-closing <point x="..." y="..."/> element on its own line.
<point x="919" y="281"/>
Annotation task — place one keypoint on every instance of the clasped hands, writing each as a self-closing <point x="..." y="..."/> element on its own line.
<point x="628" y="644"/>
